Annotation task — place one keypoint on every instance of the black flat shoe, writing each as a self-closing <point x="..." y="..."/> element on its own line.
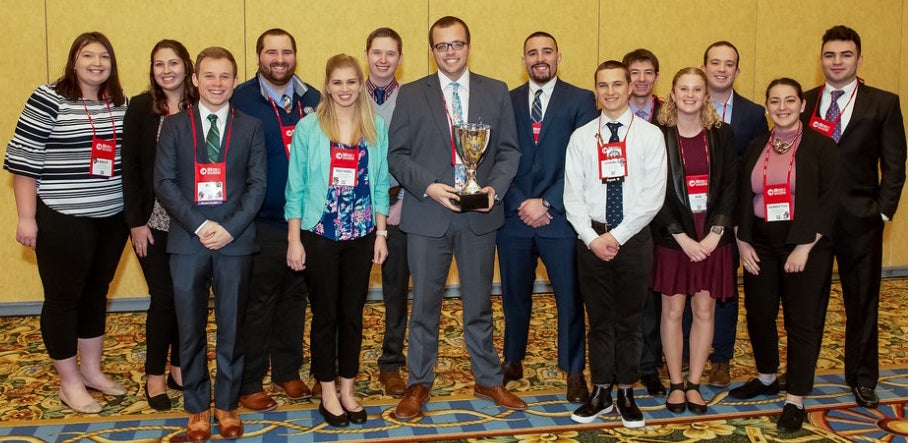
<point x="160" y="402"/>
<point x="359" y="417"/>
<point x="753" y="388"/>
<point x="792" y="418"/>
<point x="172" y="383"/>
<point x="338" y="421"/>
<point x="696" y="408"/>
<point x="677" y="408"/>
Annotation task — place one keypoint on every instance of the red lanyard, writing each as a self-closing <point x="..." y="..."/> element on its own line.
<point x="842" y="112"/>
<point x="681" y="145"/>
<point x="299" y="107"/>
<point x="195" y="139"/>
<point x="725" y="106"/>
<point x="92" y="123"/>
<point x="794" y="150"/>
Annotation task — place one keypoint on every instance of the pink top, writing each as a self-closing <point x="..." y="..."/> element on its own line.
<point x="776" y="173"/>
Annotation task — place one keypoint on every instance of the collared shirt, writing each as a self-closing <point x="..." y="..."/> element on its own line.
<point x="295" y="86"/>
<point x="845" y="111"/>
<point x="463" y="91"/>
<point x="724" y="109"/>
<point x="644" y="187"/>
<point x="278" y="97"/>
<point x="547" y="90"/>
<point x="222" y="119"/>
<point x="648" y="109"/>
<point x="389" y="88"/>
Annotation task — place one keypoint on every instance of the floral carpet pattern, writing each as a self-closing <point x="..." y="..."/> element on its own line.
<point x="28" y="386"/>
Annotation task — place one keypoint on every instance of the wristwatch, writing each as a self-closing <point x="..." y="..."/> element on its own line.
<point x="717" y="229"/>
<point x="546" y="203"/>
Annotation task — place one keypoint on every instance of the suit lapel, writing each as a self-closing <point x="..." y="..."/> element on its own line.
<point x="523" y="111"/>
<point x="435" y="103"/>
<point x="554" y="105"/>
<point x="861" y="107"/>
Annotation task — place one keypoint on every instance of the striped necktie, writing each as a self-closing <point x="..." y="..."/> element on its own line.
<point x="536" y="111"/>
<point x="213" y="139"/>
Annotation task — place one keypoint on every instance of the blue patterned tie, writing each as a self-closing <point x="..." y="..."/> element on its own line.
<point x="614" y="203"/>
<point x="536" y="112"/>
<point x="456" y="106"/>
<point x="833" y="113"/>
<point x="642" y="114"/>
<point x="287" y="103"/>
<point x="213" y="139"/>
<point x="379" y="96"/>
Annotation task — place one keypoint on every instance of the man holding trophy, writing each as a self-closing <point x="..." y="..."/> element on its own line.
<point x="452" y="134"/>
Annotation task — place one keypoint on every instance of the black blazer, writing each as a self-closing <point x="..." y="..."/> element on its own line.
<point x="872" y="149"/>
<point x="675" y="216"/>
<point x="140" y="140"/>
<point x="817" y="197"/>
<point x="748" y="120"/>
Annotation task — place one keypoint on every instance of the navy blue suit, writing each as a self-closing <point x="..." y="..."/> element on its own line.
<point x="541" y="175"/>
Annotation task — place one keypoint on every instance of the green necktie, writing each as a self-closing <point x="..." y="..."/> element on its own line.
<point x="213" y="139"/>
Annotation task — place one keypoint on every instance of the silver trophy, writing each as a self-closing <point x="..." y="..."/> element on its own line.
<point x="471" y="140"/>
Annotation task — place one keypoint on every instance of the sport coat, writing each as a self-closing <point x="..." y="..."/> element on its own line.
<point x="246" y="181"/>
<point x="540" y="173"/>
<point x="748" y="120"/>
<point x="872" y="149"/>
<point x="140" y="135"/>
<point x="419" y="152"/>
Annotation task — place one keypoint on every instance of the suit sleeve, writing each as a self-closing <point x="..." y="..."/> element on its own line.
<point x="507" y="154"/>
<point x="132" y="164"/>
<point x="167" y="178"/>
<point x="585" y="111"/>
<point x="413" y="177"/>
<point x="892" y="159"/>
<point x="829" y="186"/>
<point x="256" y="183"/>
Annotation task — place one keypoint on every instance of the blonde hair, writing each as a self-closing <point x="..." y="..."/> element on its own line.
<point x="668" y="113"/>
<point x="363" y="119"/>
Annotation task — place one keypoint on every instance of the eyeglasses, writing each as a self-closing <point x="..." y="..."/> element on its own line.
<point x="444" y="46"/>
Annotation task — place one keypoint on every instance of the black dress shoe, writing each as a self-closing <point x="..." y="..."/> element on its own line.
<point x="511" y="370"/>
<point x="172" y="383"/>
<point x="677" y="408"/>
<point x="600" y="402"/>
<point x="577" y="392"/>
<point x="631" y="415"/>
<point x="753" y="388"/>
<point x="696" y="408"/>
<point x="160" y="402"/>
<point x="865" y="396"/>
<point x="359" y="417"/>
<point x="792" y="418"/>
<point x="653" y="385"/>
<point x="338" y="421"/>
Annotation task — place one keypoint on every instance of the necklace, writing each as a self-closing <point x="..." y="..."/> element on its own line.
<point x="782" y="146"/>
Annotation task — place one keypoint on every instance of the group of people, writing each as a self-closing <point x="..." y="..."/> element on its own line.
<point x="271" y="193"/>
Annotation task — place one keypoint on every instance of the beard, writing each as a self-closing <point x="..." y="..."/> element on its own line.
<point x="278" y="79"/>
<point x="541" y="78"/>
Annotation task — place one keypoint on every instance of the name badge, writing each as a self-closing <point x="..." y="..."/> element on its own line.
<point x="287" y="135"/>
<point x="612" y="161"/>
<point x="210" y="183"/>
<point x="103" y="153"/>
<point x="777" y="203"/>
<point x="343" y="166"/>
<point x="824" y="127"/>
<point x="537" y="129"/>
<point x="697" y="188"/>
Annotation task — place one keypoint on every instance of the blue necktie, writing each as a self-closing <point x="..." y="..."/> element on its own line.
<point x="456" y="106"/>
<point x="642" y="114"/>
<point x="536" y="111"/>
<point x="379" y="96"/>
<point x="833" y="113"/>
<point x="614" y="203"/>
<point x="213" y="139"/>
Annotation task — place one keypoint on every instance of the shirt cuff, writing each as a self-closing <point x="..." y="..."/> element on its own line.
<point x="196" y="232"/>
<point x="884" y="217"/>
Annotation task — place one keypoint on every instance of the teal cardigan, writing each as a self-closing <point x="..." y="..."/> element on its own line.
<point x="310" y="160"/>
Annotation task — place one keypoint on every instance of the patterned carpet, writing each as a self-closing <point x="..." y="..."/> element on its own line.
<point x="29" y="405"/>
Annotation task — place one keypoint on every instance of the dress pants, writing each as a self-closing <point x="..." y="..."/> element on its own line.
<point x="275" y="313"/>
<point x="614" y="293"/>
<point x="162" y="335"/>
<point x="803" y="297"/>
<point x="395" y="286"/>
<point x="337" y="274"/>
<point x="228" y="277"/>
<point x="651" y="357"/>
<point x="518" y="255"/>
<point x="860" y="260"/>
<point x="77" y="259"/>
<point x="430" y="260"/>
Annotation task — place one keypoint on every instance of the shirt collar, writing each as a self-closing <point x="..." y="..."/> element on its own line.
<point x="650" y="104"/>
<point x="204" y="112"/>
<point x="295" y="87"/>
<point x="547" y="88"/>
<point x="624" y="119"/>
<point x="848" y="89"/>
<point x="463" y="83"/>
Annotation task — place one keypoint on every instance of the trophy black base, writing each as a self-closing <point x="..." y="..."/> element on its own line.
<point x="471" y="202"/>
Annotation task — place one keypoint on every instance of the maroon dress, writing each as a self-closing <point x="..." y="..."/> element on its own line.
<point x="673" y="272"/>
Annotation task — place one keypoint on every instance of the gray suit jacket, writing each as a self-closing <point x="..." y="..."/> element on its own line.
<point x="246" y="181"/>
<point x="419" y="151"/>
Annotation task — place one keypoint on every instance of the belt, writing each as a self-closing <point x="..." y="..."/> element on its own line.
<point x="600" y="228"/>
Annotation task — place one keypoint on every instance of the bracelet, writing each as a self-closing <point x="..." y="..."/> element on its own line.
<point x="380" y="232"/>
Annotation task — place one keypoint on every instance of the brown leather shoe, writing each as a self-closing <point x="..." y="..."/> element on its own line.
<point x="577" y="391"/>
<point x="719" y="377"/>
<point x="199" y="427"/>
<point x="316" y="389"/>
<point x="511" y="370"/>
<point x="295" y="389"/>
<point x="394" y="385"/>
<point x="501" y="396"/>
<point x="259" y="402"/>
<point x="229" y="423"/>
<point x="410" y="406"/>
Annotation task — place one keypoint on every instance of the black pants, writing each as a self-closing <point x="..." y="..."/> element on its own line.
<point x="77" y="259"/>
<point x="651" y="357"/>
<point x="162" y="335"/>
<point x="614" y="294"/>
<point x="275" y="313"/>
<point x="803" y="299"/>
<point x="395" y="282"/>
<point x="337" y="274"/>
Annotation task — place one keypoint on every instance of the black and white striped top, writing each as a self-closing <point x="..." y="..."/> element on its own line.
<point x="52" y="144"/>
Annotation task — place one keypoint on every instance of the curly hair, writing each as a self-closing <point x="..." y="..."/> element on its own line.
<point x="668" y="114"/>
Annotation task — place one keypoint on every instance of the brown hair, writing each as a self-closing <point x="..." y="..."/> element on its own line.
<point x="363" y="120"/>
<point x="159" y="99"/>
<point x="217" y="53"/>
<point x="274" y="32"/>
<point x="385" y="32"/>
<point x="612" y="64"/>
<point x="668" y="114"/>
<point x="446" y="22"/>
<point x="68" y="84"/>
<point x="641" y="55"/>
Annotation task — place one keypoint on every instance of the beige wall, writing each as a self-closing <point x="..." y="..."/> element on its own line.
<point x="775" y="38"/>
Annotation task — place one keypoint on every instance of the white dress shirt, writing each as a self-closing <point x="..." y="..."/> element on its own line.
<point x="463" y="91"/>
<point x="644" y="187"/>
<point x="222" y="113"/>
<point x="545" y="98"/>
<point x="844" y="111"/>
